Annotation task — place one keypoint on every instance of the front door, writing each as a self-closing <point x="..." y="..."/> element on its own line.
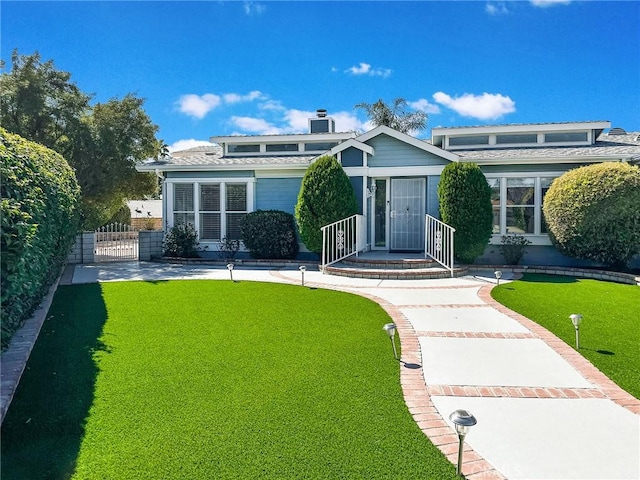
<point x="407" y="214"/>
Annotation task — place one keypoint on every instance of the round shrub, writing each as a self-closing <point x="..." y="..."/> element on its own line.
<point x="465" y="204"/>
<point x="326" y="196"/>
<point x="593" y="213"/>
<point x="270" y="234"/>
<point x="181" y="241"/>
<point x="123" y="215"/>
<point x="40" y="217"/>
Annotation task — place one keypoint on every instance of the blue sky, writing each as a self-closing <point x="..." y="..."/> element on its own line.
<point x="218" y="68"/>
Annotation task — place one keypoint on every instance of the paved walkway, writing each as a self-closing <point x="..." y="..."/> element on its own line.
<point x="543" y="411"/>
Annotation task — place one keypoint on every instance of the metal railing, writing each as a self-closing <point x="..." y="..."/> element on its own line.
<point x="115" y="242"/>
<point x="438" y="242"/>
<point x="342" y="239"/>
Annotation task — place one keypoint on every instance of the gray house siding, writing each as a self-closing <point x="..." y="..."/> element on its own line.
<point x="390" y="152"/>
<point x="433" y="204"/>
<point x="209" y="175"/>
<point x="277" y="193"/>
<point x="357" y="187"/>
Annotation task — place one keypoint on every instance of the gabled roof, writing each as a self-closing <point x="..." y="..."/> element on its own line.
<point x="352" y="143"/>
<point x="403" y="137"/>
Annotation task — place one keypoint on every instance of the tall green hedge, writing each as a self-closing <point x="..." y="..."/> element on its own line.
<point x="465" y="204"/>
<point x="326" y="196"/>
<point x="40" y="216"/>
<point x="593" y="213"/>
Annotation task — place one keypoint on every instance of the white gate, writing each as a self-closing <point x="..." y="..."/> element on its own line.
<point x="115" y="242"/>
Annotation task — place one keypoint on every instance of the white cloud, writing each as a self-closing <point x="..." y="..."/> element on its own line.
<point x="365" y="69"/>
<point x="487" y="106"/>
<point x="255" y="125"/>
<point x="496" y="8"/>
<point x="231" y="98"/>
<point x="549" y="3"/>
<point x="254" y="8"/>
<point x="424" y="106"/>
<point x="187" y="143"/>
<point x="348" y="122"/>
<point x="198" y="105"/>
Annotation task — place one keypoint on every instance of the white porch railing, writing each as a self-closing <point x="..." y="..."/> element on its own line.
<point x="343" y="239"/>
<point x="438" y="242"/>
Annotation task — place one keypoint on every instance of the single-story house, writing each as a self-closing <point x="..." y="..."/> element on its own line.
<point x="395" y="176"/>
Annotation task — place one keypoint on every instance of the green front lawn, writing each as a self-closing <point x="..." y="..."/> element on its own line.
<point x="212" y="379"/>
<point x="610" y="329"/>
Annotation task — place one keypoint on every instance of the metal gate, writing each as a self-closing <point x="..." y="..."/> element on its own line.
<point x="407" y="213"/>
<point x="115" y="242"/>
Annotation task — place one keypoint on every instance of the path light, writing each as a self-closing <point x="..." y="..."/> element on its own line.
<point x="498" y="275"/>
<point x="576" y="319"/>
<point x="230" y="268"/>
<point x="302" y="269"/>
<point x="391" y="330"/>
<point x="463" y="420"/>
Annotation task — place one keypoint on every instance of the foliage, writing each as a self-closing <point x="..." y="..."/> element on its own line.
<point x="293" y="379"/>
<point x="513" y="247"/>
<point x="102" y="142"/>
<point x="228" y="248"/>
<point x="326" y="196"/>
<point x="270" y="234"/>
<point x="593" y="213"/>
<point x="610" y="328"/>
<point x="394" y="115"/>
<point x="123" y="216"/>
<point x="465" y="204"/>
<point x="39" y="213"/>
<point x="181" y="241"/>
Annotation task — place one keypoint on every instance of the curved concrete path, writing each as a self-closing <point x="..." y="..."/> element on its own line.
<point x="543" y="411"/>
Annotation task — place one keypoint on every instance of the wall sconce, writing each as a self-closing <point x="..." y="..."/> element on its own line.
<point x="463" y="420"/>
<point x="576" y="319"/>
<point x="230" y="268"/>
<point x="371" y="191"/>
<point x="302" y="269"/>
<point x="390" y="328"/>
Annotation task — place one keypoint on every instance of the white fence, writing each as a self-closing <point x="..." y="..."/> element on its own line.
<point x="438" y="242"/>
<point x="115" y="242"/>
<point x="343" y="239"/>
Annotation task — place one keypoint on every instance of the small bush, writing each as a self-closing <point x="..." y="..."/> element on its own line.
<point x="326" y="196"/>
<point x="40" y="217"/>
<point x="465" y="204"/>
<point x="181" y="241"/>
<point x="513" y="247"/>
<point x="228" y="248"/>
<point x="593" y="213"/>
<point x="270" y="234"/>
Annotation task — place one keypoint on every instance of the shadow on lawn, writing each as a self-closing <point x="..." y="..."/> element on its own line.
<point x="44" y="427"/>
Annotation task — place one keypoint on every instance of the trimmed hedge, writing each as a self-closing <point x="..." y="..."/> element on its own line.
<point x="40" y="218"/>
<point x="593" y="213"/>
<point x="270" y="234"/>
<point x="326" y="196"/>
<point x="465" y="204"/>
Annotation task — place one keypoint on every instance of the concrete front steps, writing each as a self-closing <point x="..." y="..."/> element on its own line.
<point x="392" y="269"/>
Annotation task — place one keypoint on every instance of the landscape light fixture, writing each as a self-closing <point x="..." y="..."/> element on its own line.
<point x="576" y="319"/>
<point x="463" y="420"/>
<point x="302" y="269"/>
<point x="390" y="328"/>
<point x="230" y="268"/>
<point x="498" y="275"/>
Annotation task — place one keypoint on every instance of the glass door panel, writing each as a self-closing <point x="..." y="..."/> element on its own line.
<point x="380" y="214"/>
<point x="407" y="214"/>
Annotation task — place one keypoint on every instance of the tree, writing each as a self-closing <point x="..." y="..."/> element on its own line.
<point x="593" y="213"/>
<point x="102" y="142"/>
<point x="394" y="116"/>
<point x="465" y="204"/>
<point x="326" y="196"/>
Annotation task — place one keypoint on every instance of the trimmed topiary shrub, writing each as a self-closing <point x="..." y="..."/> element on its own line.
<point x="181" y="241"/>
<point x="593" y="213"/>
<point x="270" y="234"/>
<point x="40" y="217"/>
<point x="326" y="196"/>
<point x="465" y="204"/>
<point x="123" y="215"/>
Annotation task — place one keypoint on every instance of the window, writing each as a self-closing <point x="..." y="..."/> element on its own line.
<point x="494" y="183"/>
<point x="244" y="148"/>
<point x="319" y="147"/>
<point x="545" y="183"/>
<point x="565" y="137"/>
<point x="520" y="205"/>
<point x="469" y="140"/>
<point x="183" y="209"/>
<point x="517" y="138"/>
<point x="215" y="209"/>
<point x="282" y="147"/>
